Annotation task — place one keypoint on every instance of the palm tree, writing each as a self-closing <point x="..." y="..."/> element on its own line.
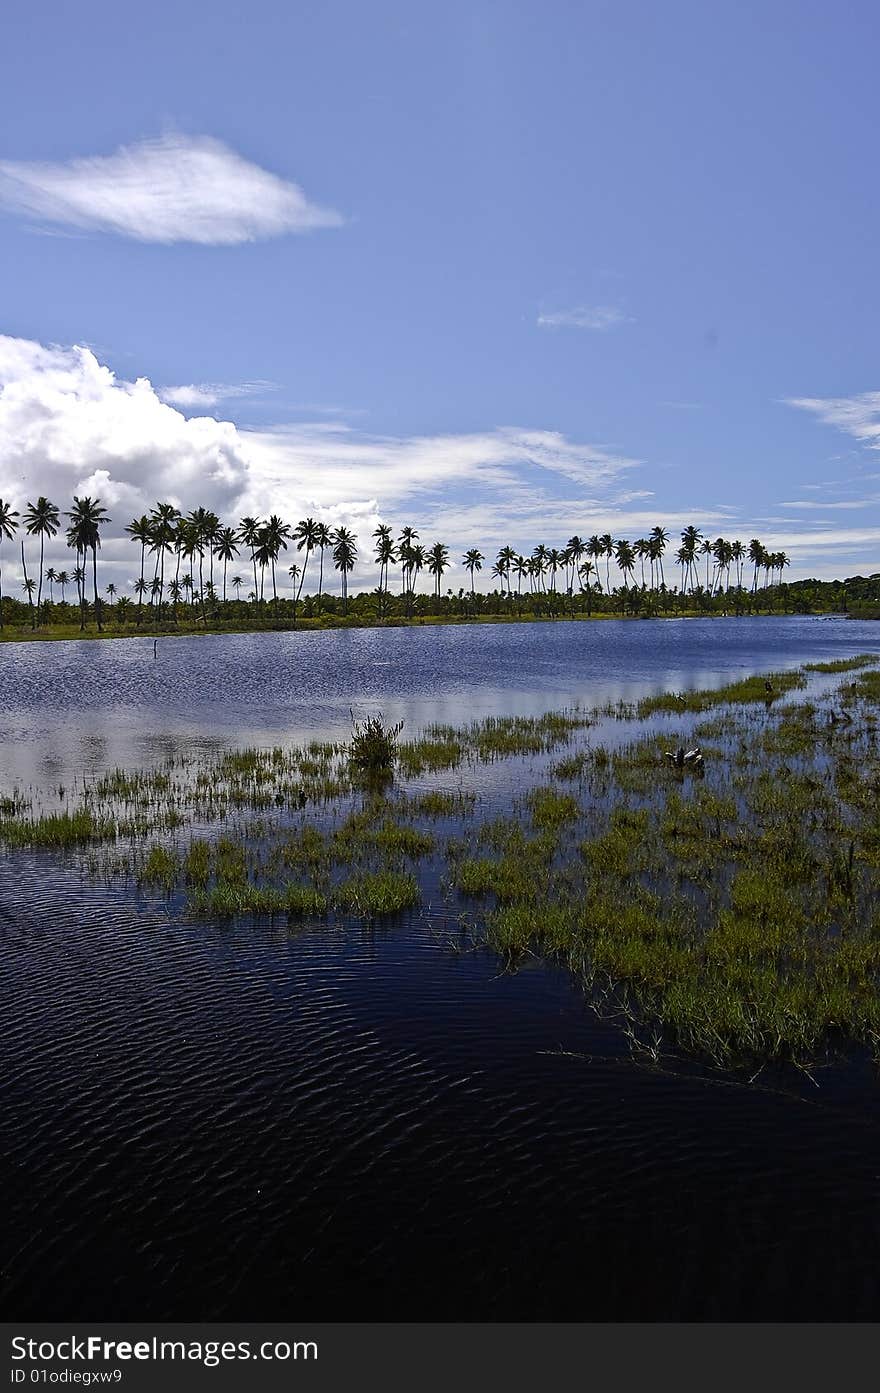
<point x="473" y="561"/>
<point x="236" y="584"/>
<point x="659" y="536"/>
<point x="211" y="533"/>
<point x="123" y="605"/>
<point x="8" y="527"/>
<point x="140" y="530"/>
<point x="200" y="525"/>
<point x="641" y="549"/>
<point x="626" y="559"/>
<point x="606" y="543"/>
<point x="249" y="532"/>
<point x="585" y="571"/>
<point x="277" y="534"/>
<point x="163" y="536"/>
<point x="51" y="576"/>
<point x="227" y="550"/>
<point x="175" y="590"/>
<point x="79" y="578"/>
<point x="575" y="550"/>
<point x="305" y="534"/>
<point x="385" y="557"/>
<point x="756" y="555"/>
<point x="706" y="550"/>
<point x="408" y="537"/>
<point x="344" y="558"/>
<point x="541" y="559"/>
<point x="86" y="520"/>
<point x="691" y="538"/>
<point x="322" y="542"/>
<point x="63" y="580"/>
<point x="438" y="562"/>
<point x="41" y="519"/>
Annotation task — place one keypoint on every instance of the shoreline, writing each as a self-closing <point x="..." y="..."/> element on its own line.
<point x="73" y="634"/>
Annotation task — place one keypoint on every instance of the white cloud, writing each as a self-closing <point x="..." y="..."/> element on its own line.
<point x="173" y="189"/>
<point x="204" y="395"/>
<point x="69" y="425"/>
<point x="858" y="416"/>
<point x="584" y="317"/>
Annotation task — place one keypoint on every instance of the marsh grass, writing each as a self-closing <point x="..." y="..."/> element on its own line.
<point x="735" y="914"/>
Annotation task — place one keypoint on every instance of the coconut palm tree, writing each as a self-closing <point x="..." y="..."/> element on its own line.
<point x="41" y="519"/>
<point x="385" y="557"/>
<point x="438" y="562"/>
<point x="473" y="561"/>
<point x="659" y="536"/>
<point x="405" y="543"/>
<point x="227" y="550"/>
<point x="322" y="542"/>
<point x="8" y="528"/>
<point x="344" y="558"/>
<point x="63" y="580"/>
<point x="236" y="584"/>
<point x="140" y="530"/>
<point x="249" y="532"/>
<point x="642" y="548"/>
<point x="277" y="535"/>
<point x="51" y="576"/>
<point x="79" y="580"/>
<point x="586" y="571"/>
<point x="86" y="520"/>
<point x="625" y="557"/>
<point x="606" y="543"/>
<point x="756" y="555"/>
<point x="305" y="535"/>
<point x="575" y="551"/>
<point x="691" y="538"/>
<point x="163" y="534"/>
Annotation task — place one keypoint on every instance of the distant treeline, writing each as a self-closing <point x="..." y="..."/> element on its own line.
<point x="175" y="585"/>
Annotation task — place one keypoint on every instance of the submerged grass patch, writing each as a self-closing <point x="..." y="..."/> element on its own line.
<point x="734" y="908"/>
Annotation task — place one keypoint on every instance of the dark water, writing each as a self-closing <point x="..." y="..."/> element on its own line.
<point x="218" y="1122"/>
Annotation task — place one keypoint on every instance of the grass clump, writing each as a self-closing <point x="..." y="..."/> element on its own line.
<point x="844" y="664"/>
<point x="57" y="831"/>
<point x="160" y="869"/>
<point x="371" y="895"/>
<point x="373" y="748"/>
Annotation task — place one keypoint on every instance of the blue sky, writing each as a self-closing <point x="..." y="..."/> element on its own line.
<point x="504" y="271"/>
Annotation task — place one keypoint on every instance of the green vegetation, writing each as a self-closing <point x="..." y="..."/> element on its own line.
<point x="182" y="582"/>
<point x="373" y="749"/>
<point x="729" y="910"/>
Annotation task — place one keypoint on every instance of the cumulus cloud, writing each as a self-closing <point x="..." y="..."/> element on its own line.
<point x="584" y="317"/>
<point x="69" y="425"/>
<point x="858" y="416"/>
<point x="173" y="189"/>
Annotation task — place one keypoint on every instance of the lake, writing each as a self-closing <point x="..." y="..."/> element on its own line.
<point x="245" y="1121"/>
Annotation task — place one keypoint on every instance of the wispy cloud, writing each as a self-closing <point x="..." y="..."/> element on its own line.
<point x="597" y="317"/>
<point x="203" y="395"/>
<point x="173" y="189"/>
<point x="858" y="416"/>
<point x="69" y="425"/>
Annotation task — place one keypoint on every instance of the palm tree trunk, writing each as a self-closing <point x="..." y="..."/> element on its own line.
<point x="29" y="595"/>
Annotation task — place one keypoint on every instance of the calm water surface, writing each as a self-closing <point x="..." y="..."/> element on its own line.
<point x="205" y="1121"/>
